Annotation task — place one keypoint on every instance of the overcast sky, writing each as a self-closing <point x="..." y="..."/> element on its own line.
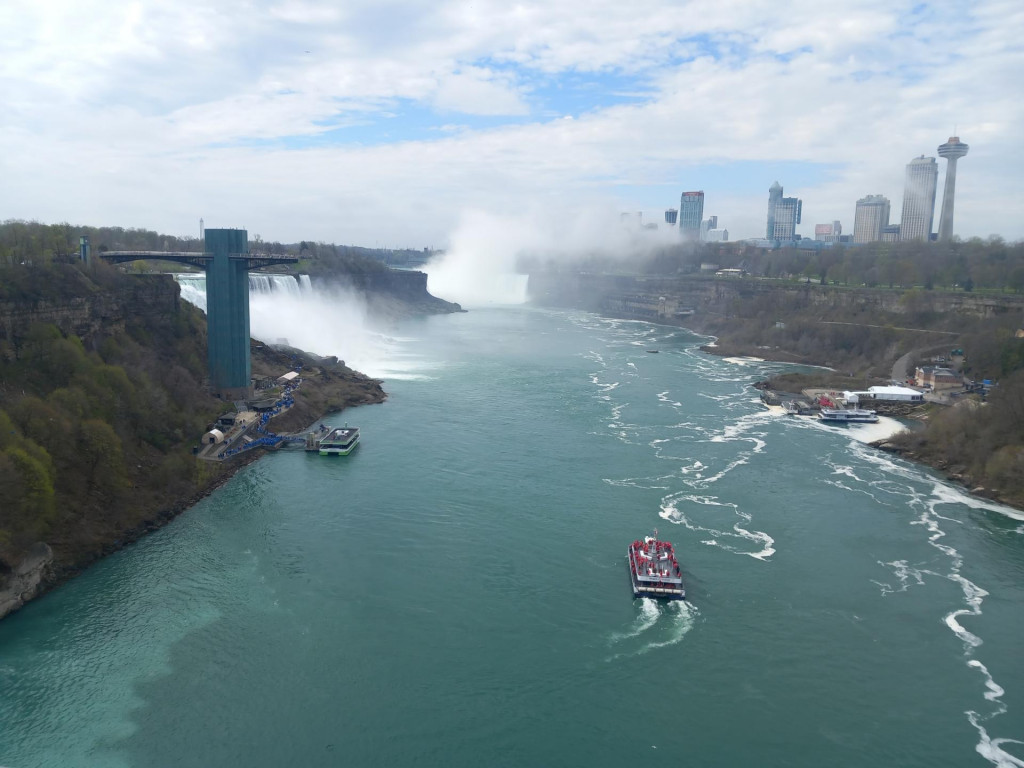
<point x="385" y="123"/>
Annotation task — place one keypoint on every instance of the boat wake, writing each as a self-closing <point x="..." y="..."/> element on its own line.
<point x="658" y="625"/>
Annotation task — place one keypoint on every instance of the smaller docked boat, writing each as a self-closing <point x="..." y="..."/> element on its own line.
<point x="654" y="570"/>
<point x="848" y="415"/>
<point x="340" y="441"/>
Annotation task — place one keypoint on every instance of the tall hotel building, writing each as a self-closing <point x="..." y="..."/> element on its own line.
<point x="783" y="214"/>
<point x="919" y="199"/>
<point x="870" y="218"/>
<point x="691" y="211"/>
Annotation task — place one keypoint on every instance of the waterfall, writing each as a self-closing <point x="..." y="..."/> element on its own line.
<point x="282" y="307"/>
<point x="262" y="283"/>
<point x="193" y="286"/>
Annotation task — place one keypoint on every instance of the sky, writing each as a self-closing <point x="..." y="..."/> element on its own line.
<point x="393" y="123"/>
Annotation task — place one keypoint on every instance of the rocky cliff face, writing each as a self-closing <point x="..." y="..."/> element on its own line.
<point x="98" y="312"/>
<point x="393" y="292"/>
<point x="27" y="579"/>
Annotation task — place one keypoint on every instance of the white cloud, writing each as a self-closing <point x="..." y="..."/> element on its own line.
<point x="152" y="114"/>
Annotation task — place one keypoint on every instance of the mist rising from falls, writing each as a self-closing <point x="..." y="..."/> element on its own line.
<point x="479" y="267"/>
<point x="283" y="310"/>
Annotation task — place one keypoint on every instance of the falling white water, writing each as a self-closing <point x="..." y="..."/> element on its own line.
<point x="324" y="322"/>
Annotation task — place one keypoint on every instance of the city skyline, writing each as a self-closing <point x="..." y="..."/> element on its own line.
<point x="142" y="115"/>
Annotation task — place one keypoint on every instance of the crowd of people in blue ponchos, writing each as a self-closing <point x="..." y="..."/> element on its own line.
<point x="266" y="437"/>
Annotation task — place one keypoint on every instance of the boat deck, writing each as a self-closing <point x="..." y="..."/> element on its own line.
<point x="339" y="441"/>
<point x="654" y="570"/>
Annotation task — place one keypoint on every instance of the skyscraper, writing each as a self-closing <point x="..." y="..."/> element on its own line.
<point x="919" y="199"/>
<point x="671" y="215"/>
<point x="952" y="150"/>
<point x="774" y="198"/>
<point x="870" y="218"/>
<point x="691" y="211"/>
<point x="783" y="214"/>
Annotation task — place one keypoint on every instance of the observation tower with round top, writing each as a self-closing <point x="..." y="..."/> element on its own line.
<point x="952" y="150"/>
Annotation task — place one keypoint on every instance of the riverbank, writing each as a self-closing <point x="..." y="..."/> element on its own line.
<point x="328" y="387"/>
<point x="912" y="443"/>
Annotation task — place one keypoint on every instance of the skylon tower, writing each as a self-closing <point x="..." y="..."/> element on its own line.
<point x="952" y="150"/>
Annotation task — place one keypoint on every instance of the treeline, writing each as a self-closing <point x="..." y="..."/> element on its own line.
<point x="991" y="264"/>
<point x="96" y="432"/>
<point x="327" y="259"/>
<point x="33" y="243"/>
<point x="29" y="242"/>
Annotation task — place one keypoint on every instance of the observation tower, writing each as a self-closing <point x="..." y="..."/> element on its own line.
<point x="952" y="150"/>
<point x="227" y="261"/>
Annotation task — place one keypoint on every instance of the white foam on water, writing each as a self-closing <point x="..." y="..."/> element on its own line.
<point x="676" y="619"/>
<point x="883" y="429"/>
<point x="992" y="749"/>
<point x="672" y="512"/>
<point x="995" y="691"/>
<point x="942" y="493"/>
<point x="904" y="573"/>
<point x="742" y="360"/>
<point x="768" y="548"/>
<point x="989" y="748"/>
<point x="663" y="397"/>
<point x="682" y="616"/>
<point x="655" y="483"/>
<point x="646" y="619"/>
<point x="974" y="596"/>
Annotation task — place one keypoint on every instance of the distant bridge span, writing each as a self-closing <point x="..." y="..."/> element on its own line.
<point x="227" y="261"/>
<point x="197" y="259"/>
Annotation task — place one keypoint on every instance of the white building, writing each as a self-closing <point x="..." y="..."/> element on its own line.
<point x="888" y="394"/>
<point x="919" y="199"/>
<point x="870" y="218"/>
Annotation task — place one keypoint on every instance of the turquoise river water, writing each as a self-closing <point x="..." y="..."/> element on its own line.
<point x="455" y="593"/>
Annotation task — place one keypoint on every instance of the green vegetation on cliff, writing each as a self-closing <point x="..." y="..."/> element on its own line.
<point x="966" y="265"/>
<point x="980" y="444"/>
<point x="103" y="397"/>
<point x="95" y="430"/>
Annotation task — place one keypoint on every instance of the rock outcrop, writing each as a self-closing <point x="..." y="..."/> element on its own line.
<point x="89" y="312"/>
<point x="391" y="293"/>
<point x="28" y="578"/>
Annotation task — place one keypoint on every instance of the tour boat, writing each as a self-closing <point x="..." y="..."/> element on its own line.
<point x="340" y="441"/>
<point x="848" y="415"/>
<point x="654" y="570"/>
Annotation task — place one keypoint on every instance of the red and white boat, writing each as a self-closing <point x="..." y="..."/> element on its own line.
<point x="654" y="570"/>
